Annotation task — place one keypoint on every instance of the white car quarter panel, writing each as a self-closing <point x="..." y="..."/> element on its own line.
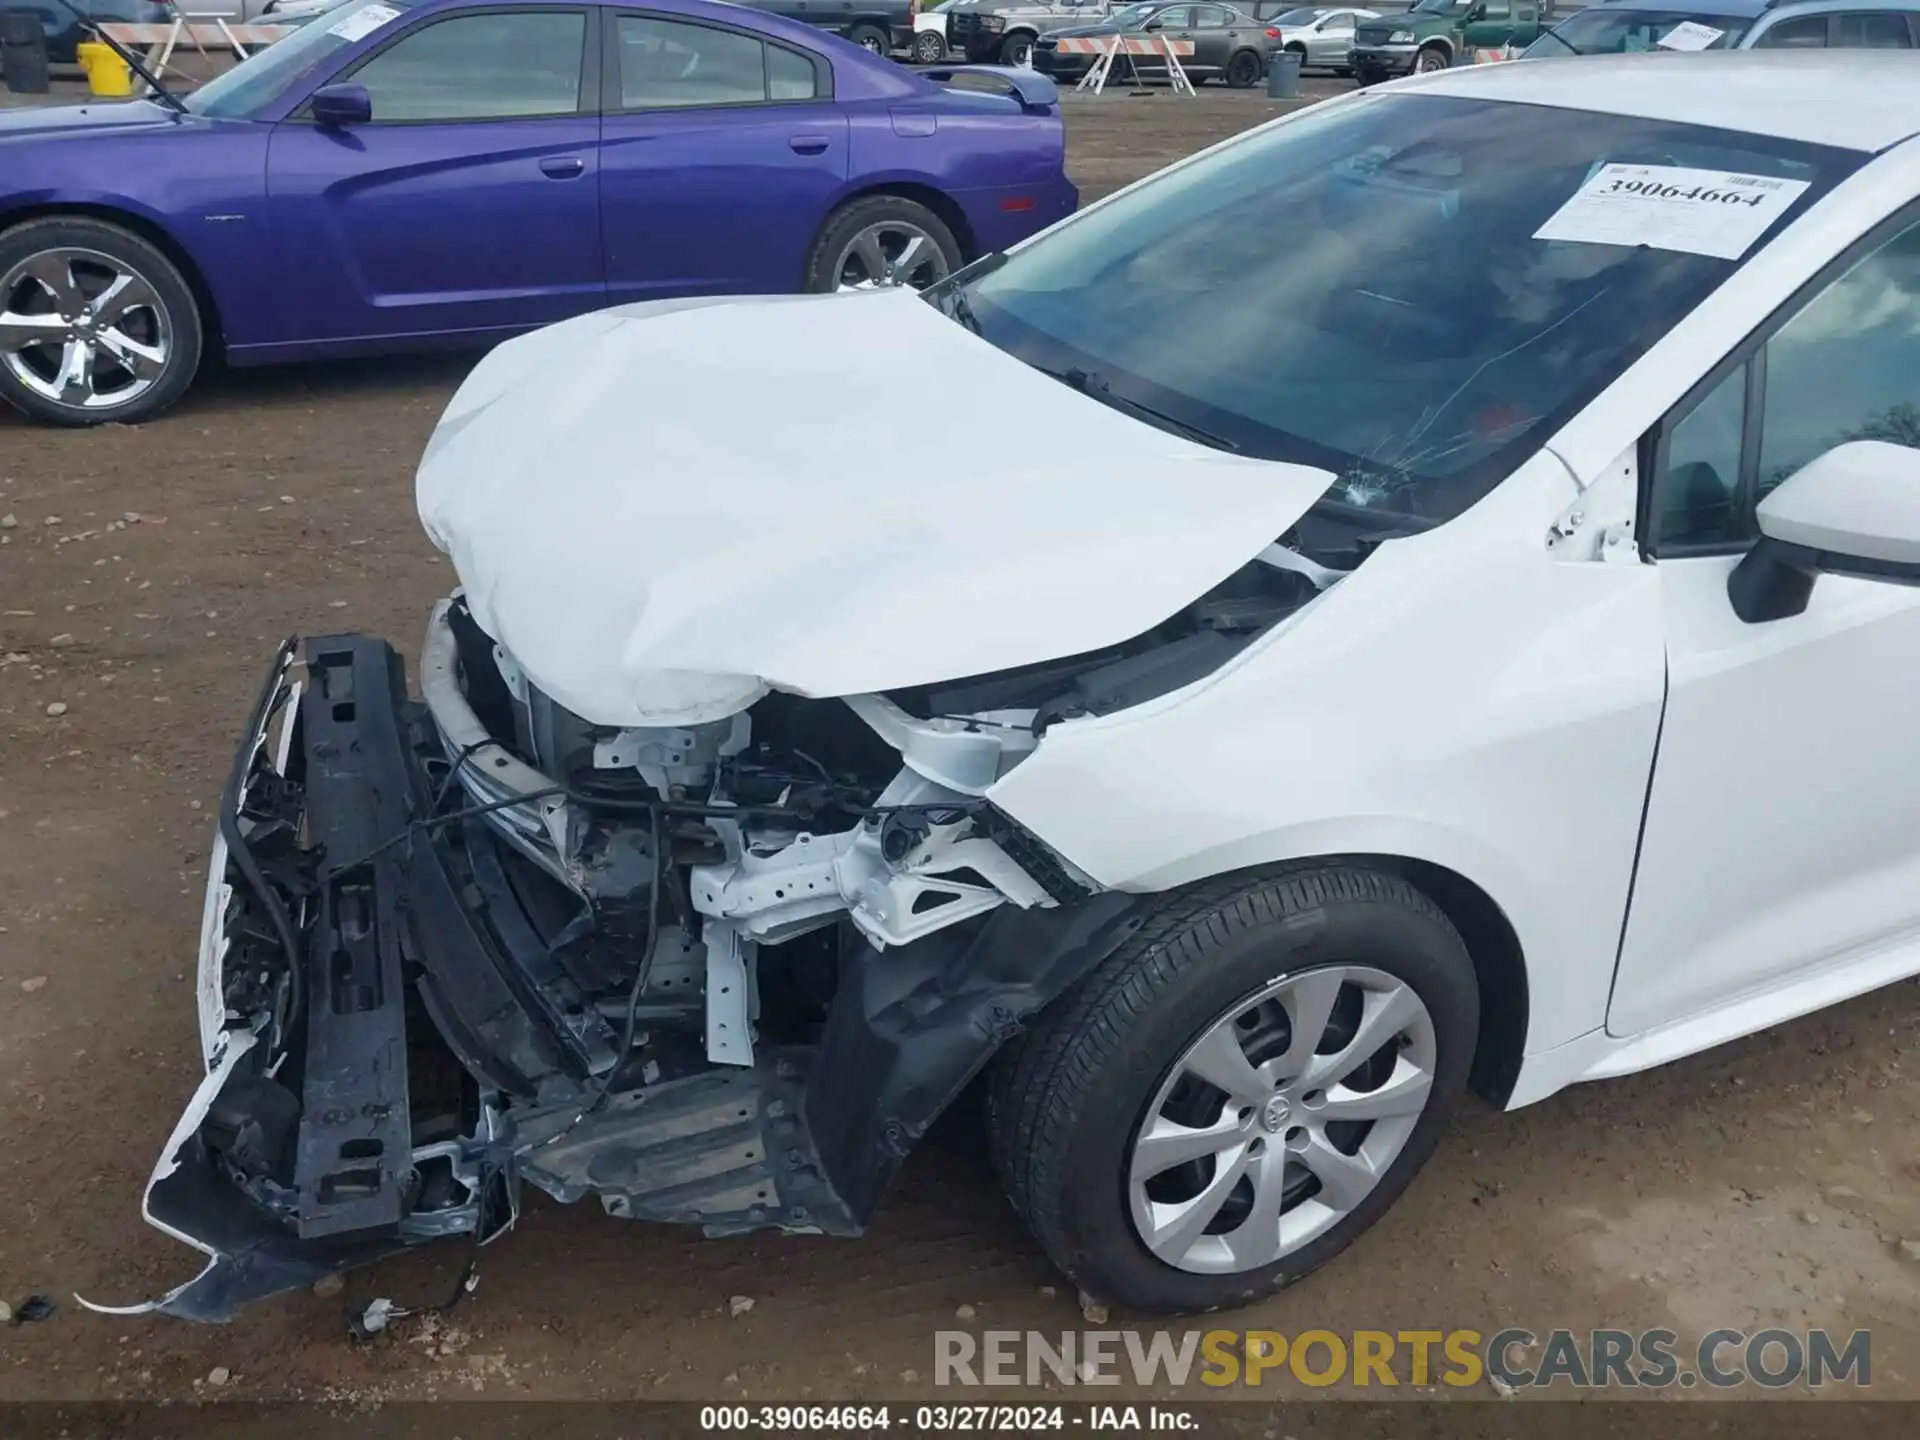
<point x="1464" y="698"/>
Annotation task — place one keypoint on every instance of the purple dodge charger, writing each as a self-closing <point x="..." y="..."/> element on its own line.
<point x="413" y="173"/>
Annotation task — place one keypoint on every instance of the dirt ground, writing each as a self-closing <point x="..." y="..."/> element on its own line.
<point x="146" y="574"/>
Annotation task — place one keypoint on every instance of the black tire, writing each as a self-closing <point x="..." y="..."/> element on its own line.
<point x="873" y="38"/>
<point x="1016" y="49"/>
<point x="1244" y="70"/>
<point x="856" y="215"/>
<point x="1369" y="77"/>
<point x="174" y="300"/>
<point x="1431" y="61"/>
<point x="929" y="48"/>
<point x="1068" y="1096"/>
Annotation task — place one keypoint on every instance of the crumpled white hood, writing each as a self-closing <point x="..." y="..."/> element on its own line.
<point x="662" y="510"/>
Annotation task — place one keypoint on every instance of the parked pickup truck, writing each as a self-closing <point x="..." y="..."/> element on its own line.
<point x="882" y="26"/>
<point x="1002" y="32"/>
<point x="1434" y="32"/>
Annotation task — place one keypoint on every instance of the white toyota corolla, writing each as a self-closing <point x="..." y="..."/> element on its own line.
<point x="1436" y="613"/>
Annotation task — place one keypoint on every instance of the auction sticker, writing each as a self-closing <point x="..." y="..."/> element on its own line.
<point x="1689" y="35"/>
<point x="362" y="22"/>
<point x="1673" y="207"/>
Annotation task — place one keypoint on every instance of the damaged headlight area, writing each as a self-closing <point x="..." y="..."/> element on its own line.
<point x="724" y="973"/>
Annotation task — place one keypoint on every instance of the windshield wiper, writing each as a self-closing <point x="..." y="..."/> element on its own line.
<point x="960" y="309"/>
<point x="951" y="295"/>
<point x="1095" y="387"/>
<point x="133" y="62"/>
<point x="1553" y="31"/>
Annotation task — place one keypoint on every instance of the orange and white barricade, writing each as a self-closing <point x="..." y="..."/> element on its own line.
<point x="1110" y="47"/>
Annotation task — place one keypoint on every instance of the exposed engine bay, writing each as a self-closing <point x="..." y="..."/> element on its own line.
<point x="714" y="859"/>
<point x="725" y="974"/>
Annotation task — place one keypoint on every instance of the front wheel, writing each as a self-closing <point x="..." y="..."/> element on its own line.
<point x="1244" y="70"/>
<point x="1239" y="1091"/>
<point x="1016" y="50"/>
<point x="929" y="48"/>
<point x="881" y="242"/>
<point x="96" y="324"/>
<point x="872" y="39"/>
<point x="1431" y="60"/>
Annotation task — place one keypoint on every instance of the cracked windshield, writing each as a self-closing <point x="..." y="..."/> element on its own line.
<point x="1362" y="290"/>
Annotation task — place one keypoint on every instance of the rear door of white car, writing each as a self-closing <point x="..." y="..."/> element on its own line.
<point x="1782" y="832"/>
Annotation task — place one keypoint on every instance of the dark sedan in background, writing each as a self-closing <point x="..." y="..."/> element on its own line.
<point x="1227" y="43"/>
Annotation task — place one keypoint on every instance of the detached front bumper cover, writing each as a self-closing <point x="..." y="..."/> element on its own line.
<point x="295" y="1156"/>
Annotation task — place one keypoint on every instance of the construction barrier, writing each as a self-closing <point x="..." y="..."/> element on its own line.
<point x="1136" y="47"/>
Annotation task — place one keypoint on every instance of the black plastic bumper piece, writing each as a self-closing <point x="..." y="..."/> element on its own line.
<point x="911" y="1028"/>
<point x="263" y="1238"/>
<point x="354" y="1148"/>
<point x="727" y="1149"/>
<point x="299" y="1163"/>
<point x="421" y="893"/>
<point x="254" y="1253"/>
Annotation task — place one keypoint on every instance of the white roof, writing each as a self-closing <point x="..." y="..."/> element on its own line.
<point x="1853" y="99"/>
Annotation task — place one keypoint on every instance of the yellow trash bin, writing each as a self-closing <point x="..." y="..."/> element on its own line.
<point x="107" y="73"/>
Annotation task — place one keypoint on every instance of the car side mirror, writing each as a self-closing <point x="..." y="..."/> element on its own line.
<point x="1854" y="510"/>
<point x="336" y="107"/>
<point x="1152" y="25"/>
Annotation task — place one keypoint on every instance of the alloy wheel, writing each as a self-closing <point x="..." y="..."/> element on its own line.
<point x="1280" y="1119"/>
<point x="1243" y="71"/>
<point x="893" y="252"/>
<point x="82" y="329"/>
<point x="929" y="48"/>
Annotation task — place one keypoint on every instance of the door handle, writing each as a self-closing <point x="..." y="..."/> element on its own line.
<point x="808" y="144"/>
<point x="562" y="167"/>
